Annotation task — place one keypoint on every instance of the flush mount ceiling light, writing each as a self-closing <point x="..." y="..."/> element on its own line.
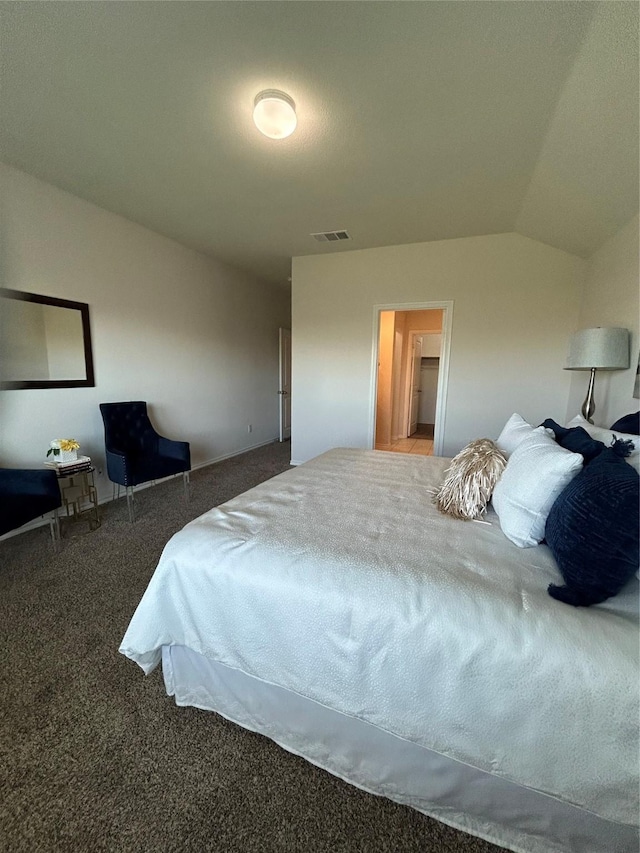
<point x="274" y="114"/>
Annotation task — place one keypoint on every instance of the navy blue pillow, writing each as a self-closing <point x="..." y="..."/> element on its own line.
<point x="592" y="530"/>
<point x="576" y="439"/>
<point x="629" y="424"/>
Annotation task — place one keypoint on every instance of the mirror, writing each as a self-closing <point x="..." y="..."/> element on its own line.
<point x="44" y="342"/>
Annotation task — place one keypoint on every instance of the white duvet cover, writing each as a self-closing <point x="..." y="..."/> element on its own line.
<point x="340" y="581"/>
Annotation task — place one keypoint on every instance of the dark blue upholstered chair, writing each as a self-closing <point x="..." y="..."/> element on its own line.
<point x="136" y="453"/>
<point x="26" y="494"/>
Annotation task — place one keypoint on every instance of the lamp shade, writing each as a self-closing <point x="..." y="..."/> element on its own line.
<point x="603" y="348"/>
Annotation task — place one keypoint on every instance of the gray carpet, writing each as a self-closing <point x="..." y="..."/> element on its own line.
<point x="95" y="757"/>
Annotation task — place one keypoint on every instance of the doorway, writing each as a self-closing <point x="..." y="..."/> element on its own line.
<point x="410" y="377"/>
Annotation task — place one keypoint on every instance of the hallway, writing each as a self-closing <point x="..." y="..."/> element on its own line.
<point x="418" y="446"/>
<point x="414" y="444"/>
<point x="419" y="443"/>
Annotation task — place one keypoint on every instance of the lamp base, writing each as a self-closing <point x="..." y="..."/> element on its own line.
<point x="589" y="407"/>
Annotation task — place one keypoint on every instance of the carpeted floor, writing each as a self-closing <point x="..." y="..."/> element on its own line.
<point x="95" y="757"/>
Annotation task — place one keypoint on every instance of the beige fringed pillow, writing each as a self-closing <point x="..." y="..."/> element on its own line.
<point x="470" y="479"/>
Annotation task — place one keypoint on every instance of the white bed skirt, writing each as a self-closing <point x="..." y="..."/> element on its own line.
<point x="468" y="799"/>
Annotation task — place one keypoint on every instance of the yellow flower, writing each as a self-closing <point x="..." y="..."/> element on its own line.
<point x="68" y="444"/>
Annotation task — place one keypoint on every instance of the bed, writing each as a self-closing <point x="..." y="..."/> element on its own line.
<point x="417" y="656"/>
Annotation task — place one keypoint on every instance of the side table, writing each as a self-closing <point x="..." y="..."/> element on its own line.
<point x="79" y="498"/>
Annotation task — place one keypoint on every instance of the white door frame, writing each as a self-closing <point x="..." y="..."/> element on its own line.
<point x="423" y="334"/>
<point x="443" y="373"/>
<point x="406" y="401"/>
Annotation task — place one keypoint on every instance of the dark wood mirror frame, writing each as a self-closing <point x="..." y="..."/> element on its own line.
<point x="88" y="380"/>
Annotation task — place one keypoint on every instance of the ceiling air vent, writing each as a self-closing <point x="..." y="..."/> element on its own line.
<point x="331" y="236"/>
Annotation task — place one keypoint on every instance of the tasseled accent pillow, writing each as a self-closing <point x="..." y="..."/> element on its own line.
<point x="608" y="437"/>
<point x="470" y="479"/>
<point x="576" y="439"/>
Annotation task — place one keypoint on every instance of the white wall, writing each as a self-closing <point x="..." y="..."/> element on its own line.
<point x="194" y="338"/>
<point x="515" y="306"/>
<point x="611" y="299"/>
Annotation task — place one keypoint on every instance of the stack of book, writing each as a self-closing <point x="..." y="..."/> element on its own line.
<point x="66" y="469"/>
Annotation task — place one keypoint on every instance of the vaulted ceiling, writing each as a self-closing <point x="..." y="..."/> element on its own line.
<point x="416" y="121"/>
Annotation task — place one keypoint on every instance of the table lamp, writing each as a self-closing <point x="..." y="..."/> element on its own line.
<point x="603" y="348"/>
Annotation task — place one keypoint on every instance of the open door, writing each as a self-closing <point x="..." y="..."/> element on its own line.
<point x="285" y="384"/>
<point x="414" y="406"/>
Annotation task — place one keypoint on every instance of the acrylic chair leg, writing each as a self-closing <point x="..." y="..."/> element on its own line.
<point x="130" y="504"/>
<point x="186" y="481"/>
<point x="54" y="527"/>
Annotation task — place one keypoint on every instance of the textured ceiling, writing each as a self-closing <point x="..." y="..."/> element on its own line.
<point x="417" y="121"/>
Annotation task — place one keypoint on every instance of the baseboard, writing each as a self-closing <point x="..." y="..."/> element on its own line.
<point x="234" y="453"/>
<point x="105" y="499"/>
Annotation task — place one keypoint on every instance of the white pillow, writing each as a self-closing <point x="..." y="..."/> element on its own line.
<point x="536" y="473"/>
<point x="515" y="429"/>
<point x="606" y="436"/>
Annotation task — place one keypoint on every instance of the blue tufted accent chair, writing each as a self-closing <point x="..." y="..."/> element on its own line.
<point x="136" y="453"/>
<point x="25" y="494"/>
